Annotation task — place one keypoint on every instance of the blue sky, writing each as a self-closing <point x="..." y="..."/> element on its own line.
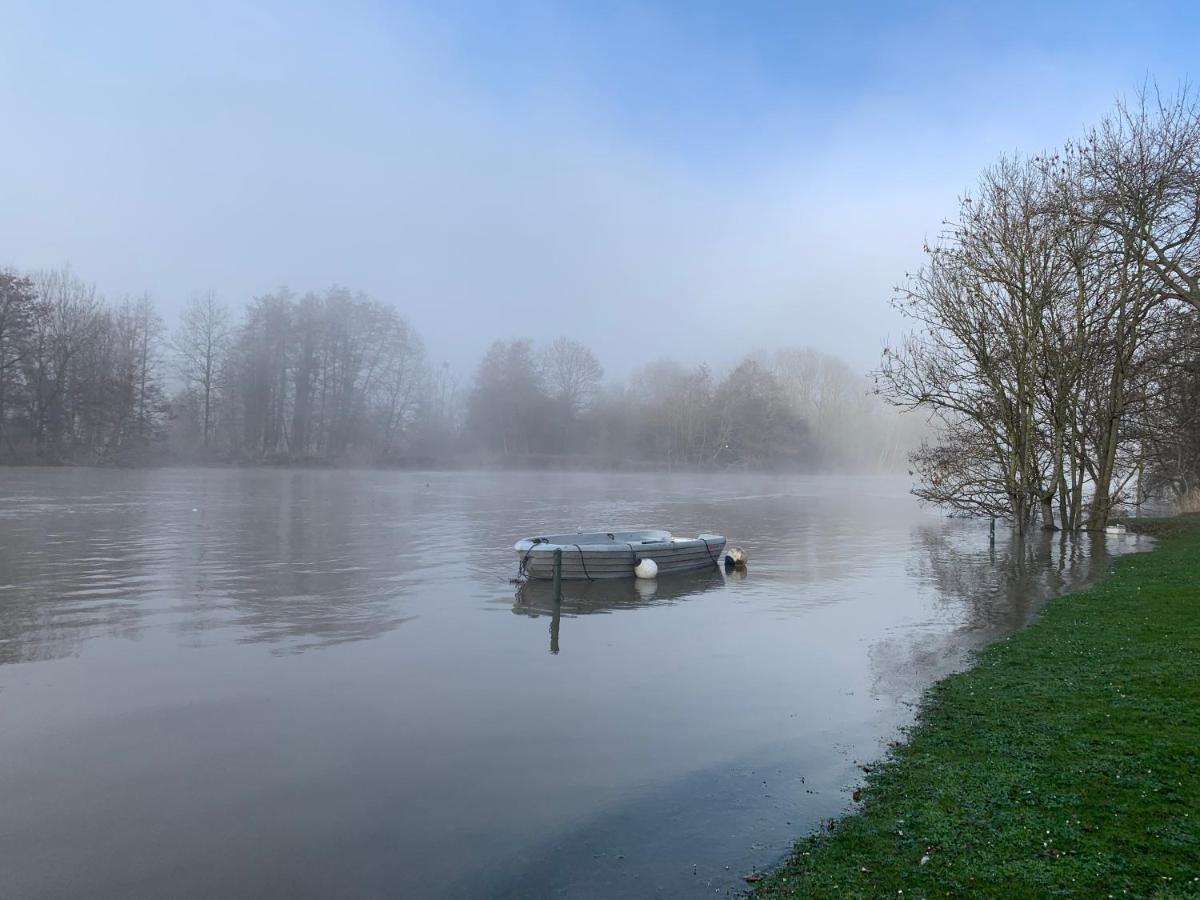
<point x="763" y="172"/>
<point x="719" y="82"/>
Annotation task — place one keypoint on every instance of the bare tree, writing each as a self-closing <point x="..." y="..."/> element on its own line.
<point x="17" y="310"/>
<point x="849" y="427"/>
<point x="507" y="407"/>
<point x="201" y="345"/>
<point x="977" y="360"/>
<point x="1046" y="323"/>
<point x="65" y="321"/>
<point x="757" y="426"/>
<point x="572" y="375"/>
<point x="401" y="381"/>
<point x="1168" y="428"/>
<point x="260" y="369"/>
<point x="1144" y="163"/>
<point x="148" y="333"/>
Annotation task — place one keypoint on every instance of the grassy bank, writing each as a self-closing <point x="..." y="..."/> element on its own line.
<point x="1065" y="763"/>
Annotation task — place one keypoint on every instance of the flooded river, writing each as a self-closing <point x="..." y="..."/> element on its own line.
<point x="263" y="683"/>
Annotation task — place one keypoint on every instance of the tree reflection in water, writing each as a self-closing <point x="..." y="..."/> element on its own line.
<point x="982" y="590"/>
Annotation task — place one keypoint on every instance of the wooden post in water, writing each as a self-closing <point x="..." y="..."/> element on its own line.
<point x="992" y="533"/>
<point x="558" y="574"/>
<point x="557" y="600"/>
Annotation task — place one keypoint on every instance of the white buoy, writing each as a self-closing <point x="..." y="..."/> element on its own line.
<point x="646" y="568"/>
<point x="735" y="558"/>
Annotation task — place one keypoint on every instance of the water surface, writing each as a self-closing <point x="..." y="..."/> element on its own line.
<point x="260" y="683"/>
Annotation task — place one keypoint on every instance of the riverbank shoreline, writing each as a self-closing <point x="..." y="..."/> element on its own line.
<point x="1064" y="761"/>
<point x="565" y="464"/>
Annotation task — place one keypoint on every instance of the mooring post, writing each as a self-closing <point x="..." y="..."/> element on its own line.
<point x="992" y="531"/>
<point x="558" y="574"/>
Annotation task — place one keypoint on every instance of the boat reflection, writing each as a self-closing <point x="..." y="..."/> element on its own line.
<point x="535" y="597"/>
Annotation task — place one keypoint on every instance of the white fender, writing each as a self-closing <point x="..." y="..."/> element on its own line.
<point x="646" y="568"/>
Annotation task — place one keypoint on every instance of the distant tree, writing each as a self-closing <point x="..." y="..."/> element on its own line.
<point x="309" y="326"/>
<point x="17" y="310"/>
<point x="330" y="376"/>
<point x="1169" y="427"/>
<point x="201" y="345"/>
<point x="120" y="371"/>
<point x="402" y="381"/>
<point x="66" y="321"/>
<point x="262" y="357"/>
<point x="613" y="424"/>
<point x="679" y="424"/>
<point x="757" y="427"/>
<point x="337" y="376"/>
<point x="849" y="426"/>
<point x="507" y="406"/>
<point x="572" y="375"/>
<point x="148" y="337"/>
<point x="436" y="418"/>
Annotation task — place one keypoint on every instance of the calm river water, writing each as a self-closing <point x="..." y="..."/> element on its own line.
<point x="263" y="683"/>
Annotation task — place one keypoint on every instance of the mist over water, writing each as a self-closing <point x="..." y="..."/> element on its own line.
<point x="308" y="312"/>
<point x="304" y="683"/>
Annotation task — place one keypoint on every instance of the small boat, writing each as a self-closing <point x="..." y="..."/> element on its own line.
<point x="615" y="554"/>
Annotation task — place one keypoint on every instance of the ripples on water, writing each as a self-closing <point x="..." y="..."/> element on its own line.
<point x="286" y="683"/>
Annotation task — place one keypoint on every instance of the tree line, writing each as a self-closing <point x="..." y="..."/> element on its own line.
<point x="1057" y="328"/>
<point x="337" y="378"/>
<point x="791" y="409"/>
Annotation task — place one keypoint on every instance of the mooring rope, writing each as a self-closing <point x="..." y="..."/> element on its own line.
<point x="583" y="563"/>
<point x="521" y="573"/>
<point x="709" y="551"/>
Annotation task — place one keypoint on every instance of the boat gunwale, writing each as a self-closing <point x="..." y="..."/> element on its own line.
<point x="613" y="544"/>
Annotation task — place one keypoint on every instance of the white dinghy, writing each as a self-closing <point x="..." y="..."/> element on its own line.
<point x="616" y="554"/>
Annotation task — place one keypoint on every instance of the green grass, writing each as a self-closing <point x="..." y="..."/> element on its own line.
<point x="1066" y="762"/>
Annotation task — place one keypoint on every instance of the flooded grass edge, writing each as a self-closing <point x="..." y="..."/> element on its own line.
<point x="1060" y="762"/>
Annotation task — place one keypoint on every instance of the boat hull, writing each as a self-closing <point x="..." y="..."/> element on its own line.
<point x="616" y="558"/>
